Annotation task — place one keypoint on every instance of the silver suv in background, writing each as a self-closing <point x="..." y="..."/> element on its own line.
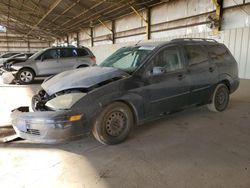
<point x="52" y="61"/>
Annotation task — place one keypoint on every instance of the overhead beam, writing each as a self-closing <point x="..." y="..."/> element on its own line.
<point x="105" y="25"/>
<point x="84" y="12"/>
<point x="97" y="15"/>
<point x="65" y="11"/>
<point x="218" y="14"/>
<point x="53" y="6"/>
<point x="137" y="13"/>
<point x="22" y="25"/>
<point x="146" y="20"/>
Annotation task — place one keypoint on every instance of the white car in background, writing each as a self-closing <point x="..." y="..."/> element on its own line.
<point x="5" y="56"/>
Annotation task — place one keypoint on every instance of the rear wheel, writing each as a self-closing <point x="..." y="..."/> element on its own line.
<point x="220" y="98"/>
<point x="25" y="76"/>
<point x="114" y="123"/>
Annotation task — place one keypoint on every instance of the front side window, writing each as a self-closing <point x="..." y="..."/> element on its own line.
<point x="50" y="54"/>
<point x="169" y="58"/>
<point x="195" y="54"/>
<point x="127" y="58"/>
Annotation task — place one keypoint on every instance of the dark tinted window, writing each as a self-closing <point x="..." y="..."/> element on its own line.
<point x="218" y="54"/>
<point x="50" y="54"/>
<point x="68" y="52"/>
<point x="169" y="58"/>
<point x="82" y="52"/>
<point x="20" y="56"/>
<point x="195" y="54"/>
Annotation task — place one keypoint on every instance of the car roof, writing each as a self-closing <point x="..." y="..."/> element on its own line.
<point x="179" y="41"/>
<point x="69" y="47"/>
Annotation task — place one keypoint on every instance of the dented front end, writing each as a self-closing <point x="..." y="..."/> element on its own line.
<point x="55" y="117"/>
<point x="47" y="126"/>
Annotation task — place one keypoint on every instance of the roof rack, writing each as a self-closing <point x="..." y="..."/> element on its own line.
<point x="194" y="39"/>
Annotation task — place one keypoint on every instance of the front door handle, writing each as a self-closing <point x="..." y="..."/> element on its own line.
<point x="211" y="69"/>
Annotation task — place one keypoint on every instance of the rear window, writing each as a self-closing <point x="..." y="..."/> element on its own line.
<point x="218" y="54"/>
<point x="82" y="52"/>
<point x="195" y="54"/>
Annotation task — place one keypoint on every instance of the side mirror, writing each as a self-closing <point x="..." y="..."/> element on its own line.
<point x="158" y="71"/>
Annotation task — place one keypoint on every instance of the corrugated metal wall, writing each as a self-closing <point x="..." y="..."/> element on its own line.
<point x="237" y="40"/>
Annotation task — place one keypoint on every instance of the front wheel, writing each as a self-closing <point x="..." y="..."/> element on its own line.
<point x="25" y="76"/>
<point x="220" y="98"/>
<point x="114" y="123"/>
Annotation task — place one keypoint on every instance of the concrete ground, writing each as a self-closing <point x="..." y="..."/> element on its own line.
<point x="194" y="148"/>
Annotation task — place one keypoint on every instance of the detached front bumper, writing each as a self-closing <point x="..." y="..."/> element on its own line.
<point x="48" y="126"/>
<point x="7" y="77"/>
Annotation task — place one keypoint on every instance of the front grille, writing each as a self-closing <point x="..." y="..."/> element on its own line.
<point x="33" y="131"/>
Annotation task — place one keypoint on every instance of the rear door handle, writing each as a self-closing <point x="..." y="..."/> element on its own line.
<point x="180" y="76"/>
<point x="211" y="69"/>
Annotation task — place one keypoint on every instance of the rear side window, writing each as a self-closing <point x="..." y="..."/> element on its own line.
<point x="68" y="52"/>
<point x="82" y="52"/>
<point x="218" y="54"/>
<point x="195" y="54"/>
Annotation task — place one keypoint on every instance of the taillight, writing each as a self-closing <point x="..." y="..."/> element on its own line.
<point x="93" y="58"/>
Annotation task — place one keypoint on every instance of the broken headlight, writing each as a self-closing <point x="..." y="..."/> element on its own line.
<point x="64" y="101"/>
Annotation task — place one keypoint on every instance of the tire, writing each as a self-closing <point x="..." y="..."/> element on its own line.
<point x="25" y="76"/>
<point x="114" y="124"/>
<point x="220" y="98"/>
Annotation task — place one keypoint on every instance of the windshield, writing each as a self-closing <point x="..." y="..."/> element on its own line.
<point x="127" y="59"/>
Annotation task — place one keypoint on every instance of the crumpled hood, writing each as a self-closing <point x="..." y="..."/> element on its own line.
<point x="81" y="78"/>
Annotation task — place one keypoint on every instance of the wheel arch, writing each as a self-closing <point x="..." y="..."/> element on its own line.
<point x="227" y="80"/>
<point x="131" y="107"/>
<point x="29" y="69"/>
<point x="81" y="64"/>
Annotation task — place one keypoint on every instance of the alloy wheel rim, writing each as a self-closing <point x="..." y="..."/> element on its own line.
<point x="26" y="76"/>
<point x="116" y="123"/>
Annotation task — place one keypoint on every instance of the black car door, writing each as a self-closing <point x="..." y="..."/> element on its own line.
<point x="167" y="84"/>
<point x="202" y="73"/>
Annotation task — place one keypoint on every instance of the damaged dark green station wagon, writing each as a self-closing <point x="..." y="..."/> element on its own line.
<point x="134" y="85"/>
